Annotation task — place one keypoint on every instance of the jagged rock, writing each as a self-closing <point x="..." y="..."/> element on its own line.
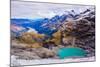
<point x="45" y="53"/>
<point x="83" y="29"/>
<point x="49" y="45"/>
<point x="24" y="53"/>
<point x="68" y="40"/>
<point x="27" y="55"/>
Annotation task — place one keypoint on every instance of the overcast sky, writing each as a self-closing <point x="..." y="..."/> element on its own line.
<point x="21" y="9"/>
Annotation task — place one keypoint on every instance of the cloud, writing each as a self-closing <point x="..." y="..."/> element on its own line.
<point x="20" y="9"/>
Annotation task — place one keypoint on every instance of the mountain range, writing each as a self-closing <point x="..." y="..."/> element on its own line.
<point x="45" y="26"/>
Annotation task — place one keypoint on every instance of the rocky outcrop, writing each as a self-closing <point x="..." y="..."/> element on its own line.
<point x="23" y="52"/>
<point x="83" y="30"/>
